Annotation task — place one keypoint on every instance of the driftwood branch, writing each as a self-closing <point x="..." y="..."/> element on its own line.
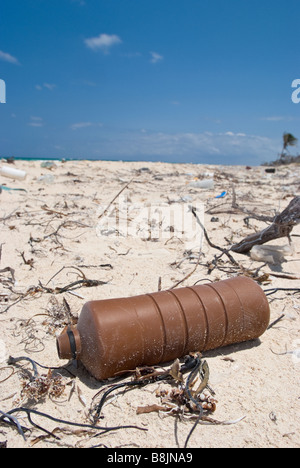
<point x="281" y="226"/>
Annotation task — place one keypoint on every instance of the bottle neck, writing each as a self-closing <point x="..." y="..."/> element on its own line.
<point x="69" y="344"/>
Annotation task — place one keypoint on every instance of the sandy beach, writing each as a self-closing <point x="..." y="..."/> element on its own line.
<point x="89" y="221"/>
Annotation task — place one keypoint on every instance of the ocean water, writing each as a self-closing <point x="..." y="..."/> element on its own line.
<point x="222" y="161"/>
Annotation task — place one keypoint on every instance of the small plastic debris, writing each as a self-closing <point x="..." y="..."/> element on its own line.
<point x="12" y="173"/>
<point x="270" y="170"/>
<point x="273" y="254"/>
<point x="48" y="164"/>
<point x="203" y="184"/>
<point x="143" y="170"/>
<point x="8" y="189"/>
<point x="222" y="195"/>
<point x="46" y="179"/>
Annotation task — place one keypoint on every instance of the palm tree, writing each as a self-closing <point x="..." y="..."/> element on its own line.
<point x="288" y="140"/>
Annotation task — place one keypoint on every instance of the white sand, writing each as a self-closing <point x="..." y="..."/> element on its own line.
<point x="258" y="381"/>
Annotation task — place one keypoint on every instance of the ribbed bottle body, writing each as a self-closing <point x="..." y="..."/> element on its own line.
<point x="121" y="334"/>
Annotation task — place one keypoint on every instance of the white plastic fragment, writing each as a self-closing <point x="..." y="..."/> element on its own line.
<point x="273" y="254"/>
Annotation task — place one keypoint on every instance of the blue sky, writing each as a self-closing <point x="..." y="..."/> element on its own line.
<point x="163" y="80"/>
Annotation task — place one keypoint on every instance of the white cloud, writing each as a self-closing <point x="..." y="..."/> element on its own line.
<point x="217" y="148"/>
<point x="49" y="86"/>
<point x="155" y="57"/>
<point x="278" y="118"/>
<point x="79" y="125"/>
<point x="8" y="58"/>
<point x="45" y="85"/>
<point x="103" y="42"/>
<point x="36" y="122"/>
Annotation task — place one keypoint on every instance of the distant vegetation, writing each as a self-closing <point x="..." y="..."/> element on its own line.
<point x="284" y="157"/>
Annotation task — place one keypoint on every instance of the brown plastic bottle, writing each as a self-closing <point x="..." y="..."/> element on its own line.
<point x="120" y="334"/>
